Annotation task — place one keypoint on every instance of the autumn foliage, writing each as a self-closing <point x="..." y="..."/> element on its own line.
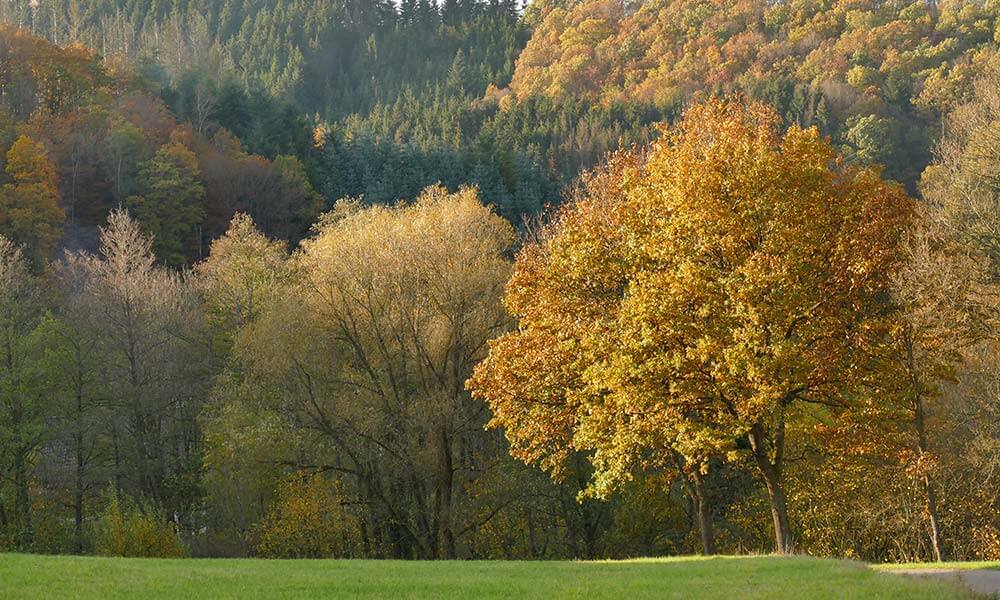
<point x="307" y="520"/>
<point x="247" y="289"/>
<point x="695" y="299"/>
<point x="130" y="528"/>
<point x="29" y="205"/>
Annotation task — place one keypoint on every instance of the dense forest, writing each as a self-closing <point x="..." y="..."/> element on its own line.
<point x="472" y="279"/>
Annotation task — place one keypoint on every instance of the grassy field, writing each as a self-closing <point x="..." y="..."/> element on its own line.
<point x="24" y="576"/>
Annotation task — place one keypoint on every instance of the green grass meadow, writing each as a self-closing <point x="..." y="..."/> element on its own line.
<point x="728" y="578"/>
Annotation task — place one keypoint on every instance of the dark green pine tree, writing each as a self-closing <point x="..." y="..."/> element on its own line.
<point x="457" y="75"/>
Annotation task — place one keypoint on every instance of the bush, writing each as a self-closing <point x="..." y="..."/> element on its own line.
<point x="307" y="520"/>
<point x="130" y="528"/>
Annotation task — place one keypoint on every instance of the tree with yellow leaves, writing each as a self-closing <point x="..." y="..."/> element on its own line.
<point x="697" y="299"/>
<point x="30" y="213"/>
<point x="353" y="357"/>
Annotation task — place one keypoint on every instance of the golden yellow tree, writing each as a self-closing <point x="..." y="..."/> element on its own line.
<point x="696" y="300"/>
<point x="29" y="205"/>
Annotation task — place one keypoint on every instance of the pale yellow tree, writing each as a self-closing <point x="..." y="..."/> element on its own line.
<point x="360" y="365"/>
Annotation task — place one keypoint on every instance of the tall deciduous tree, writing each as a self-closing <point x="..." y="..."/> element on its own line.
<point x="943" y="315"/>
<point x="726" y="283"/>
<point x="243" y="278"/>
<point x="22" y="413"/>
<point x="29" y="205"/>
<point x="360" y="367"/>
<point x="171" y="206"/>
<point x="949" y="291"/>
<point x="244" y="275"/>
<point x="75" y="368"/>
<point x="145" y="319"/>
<point x="124" y="143"/>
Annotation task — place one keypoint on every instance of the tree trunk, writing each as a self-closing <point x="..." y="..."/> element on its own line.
<point x="704" y="514"/>
<point x="78" y="494"/>
<point x="445" y="486"/>
<point x="770" y="471"/>
<point x="932" y="513"/>
<point x="695" y="489"/>
<point x="22" y="500"/>
<point x="81" y="460"/>
<point x="920" y="425"/>
<point x="930" y="498"/>
<point x="116" y="456"/>
<point x="532" y="543"/>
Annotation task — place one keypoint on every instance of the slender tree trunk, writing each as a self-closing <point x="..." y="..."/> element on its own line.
<point x="116" y="457"/>
<point x="427" y="528"/>
<point x="930" y="498"/>
<point x="770" y="471"/>
<point x="932" y="512"/>
<point x="920" y="425"/>
<point x="80" y="464"/>
<point x="695" y="489"/>
<point x="532" y="543"/>
<point x="22" y="499"/>
<point x="445" y="487"/>
<point x="78" y="494"/>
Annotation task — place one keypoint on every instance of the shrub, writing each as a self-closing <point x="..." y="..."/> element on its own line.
<point x="130" y="528"/>
<point x="307" y="520"/>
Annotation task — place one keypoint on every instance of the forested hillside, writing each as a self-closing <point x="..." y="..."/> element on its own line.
<point x="94" y="139"/>
<point x="877" y="76"/>
<point x="296" y="278"/>
<point x="331" y="58"/>
<point x="446" y="93"/>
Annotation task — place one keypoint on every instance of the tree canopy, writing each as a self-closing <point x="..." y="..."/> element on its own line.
<point x="697" y="299"/>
